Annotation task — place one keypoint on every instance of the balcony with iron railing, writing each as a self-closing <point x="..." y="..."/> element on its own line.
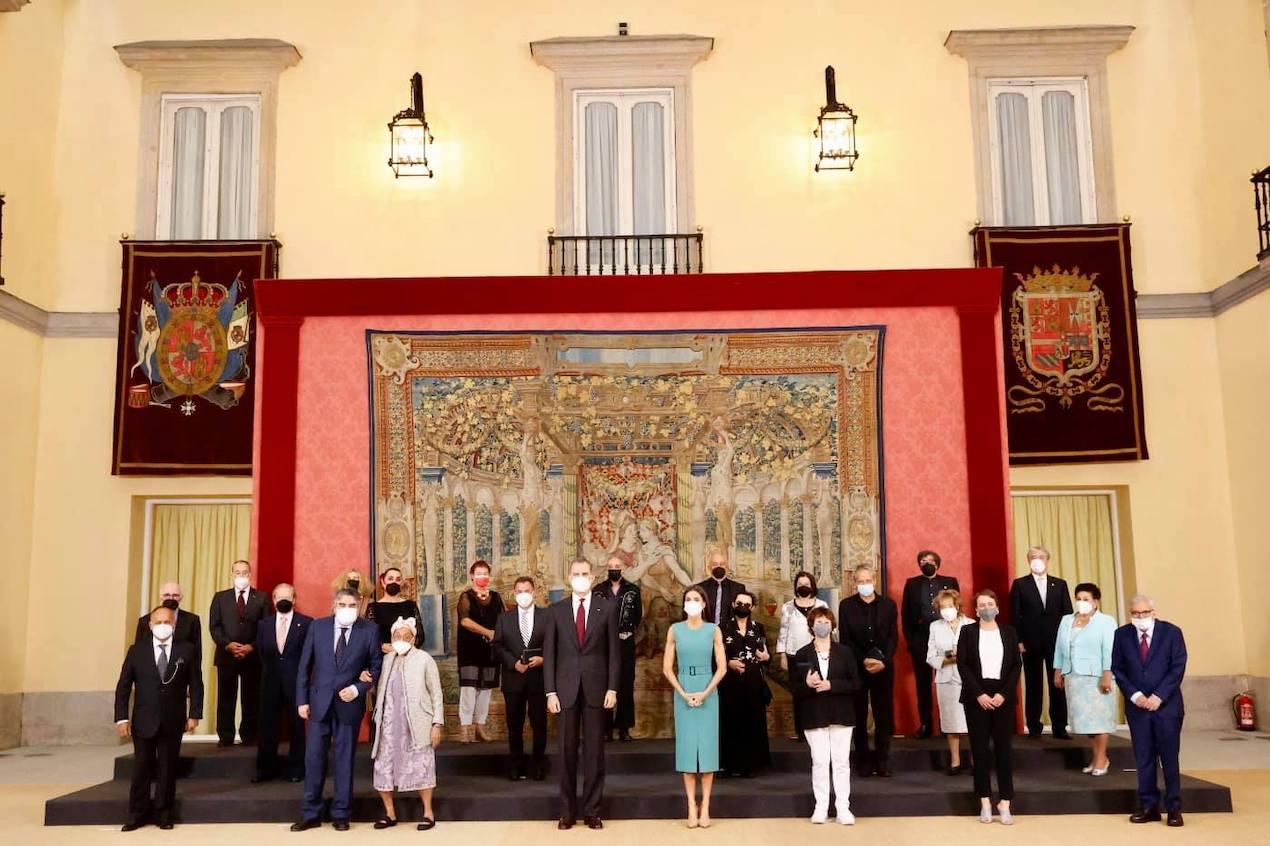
<point x="624" y="255"/>
<point x="1261" y="200"/>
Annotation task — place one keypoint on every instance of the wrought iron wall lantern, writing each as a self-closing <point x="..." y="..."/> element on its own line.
<point x="836" y="130"/>
<point x="410" y="136"/>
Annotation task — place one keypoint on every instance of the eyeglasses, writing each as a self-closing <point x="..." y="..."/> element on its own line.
<point x="1141" y="615"/>
<point x="743" y="605"/>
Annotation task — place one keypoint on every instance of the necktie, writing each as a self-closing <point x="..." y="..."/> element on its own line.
<point x="163" y="661"/>
<point x="1144" y="648"/>
<point x="340" y="646"/>
<point x="526" y="627"/>
<point x="281" y="635"/>
<point x="1041" y="586"/>
<point x="579" y="622"/>
<point x="242" y="605"/>
<point x="718" y="603"/>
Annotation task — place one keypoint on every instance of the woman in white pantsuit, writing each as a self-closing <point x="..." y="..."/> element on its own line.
<point x="942" y="655"/>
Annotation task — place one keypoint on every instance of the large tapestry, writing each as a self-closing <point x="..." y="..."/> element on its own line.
<point x="526" y="450"/>
<point x="184" y="387"/>
<point x="1072" y="376"/>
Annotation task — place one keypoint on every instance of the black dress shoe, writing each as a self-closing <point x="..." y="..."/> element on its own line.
<point x="593" y="822"/>
<point x="259" y="777"/>
<point x="305" y="825"/>
<point x="223" y="744"/>
<point x="340" y="825"/>
<point x="516" y="775"/>
<point x="132" y="825"/>
<point x="565" y="823"/>
<point x="624" y="735"/>
<point x="1144" y="815"/>
<point x="923" y="732"/>
<point x="1033" y="734"/>
<point x="384" y="822"/>
<point x="883" y="771"/>
<point x="296" y="779"/>
<point x="539" y="772"/>
<point x="1061" y="735"/>
<point x="1175" y="819"/>
<point x="165" y="826"/>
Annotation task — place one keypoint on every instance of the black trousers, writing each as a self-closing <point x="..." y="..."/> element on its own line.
<point x="231" y="679"/>
<point x="991" y="743"/>
<point x="1036" y="663"/>
<point x="879" y="690"/>
<point x="155" y="760"/>
<point x="623" y="717"/>
<point x="581" y="727"/>
<point x="518" y="705"/>
<point x="277" y="707"/>
<point x="923" y="677"/>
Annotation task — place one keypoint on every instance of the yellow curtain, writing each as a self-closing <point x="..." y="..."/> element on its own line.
<point x="194" y="546"/>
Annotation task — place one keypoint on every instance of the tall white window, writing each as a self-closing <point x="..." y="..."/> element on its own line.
<point x="1042" y="153"/>
<point x="209" y="167"/>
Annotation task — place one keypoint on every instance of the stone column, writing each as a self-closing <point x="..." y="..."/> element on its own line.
<point x="447" y="564"/>
<point x="758" y="538"/>
<point x="471" y="533"/>
<point x="496" y="535"/>
<point x="809" y="534"/>
<point x="785" y="539"/>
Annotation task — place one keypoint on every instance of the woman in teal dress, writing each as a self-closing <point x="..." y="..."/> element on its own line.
<point x="1082" y="667"/>
<point x="702" y="665"/>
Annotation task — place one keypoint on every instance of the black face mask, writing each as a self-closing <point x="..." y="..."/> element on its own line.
<point x="804" y="591"/>
<point x="171" y="603"/>
<point x="740" y="611"/>
<point x="392" y="589"/>
<point x="615" y="575"/>
<point x="928" y="570"/>
<point x="353" y="584"/>
<point x="719" y="573"/>
<point x="284" y="606"/>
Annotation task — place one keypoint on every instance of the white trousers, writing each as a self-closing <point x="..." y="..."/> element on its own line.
<point x="473" y="703"/>
<point x="831" y="752"/>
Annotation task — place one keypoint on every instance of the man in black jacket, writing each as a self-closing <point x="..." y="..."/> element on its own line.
<point x="629" y="609"/>
<point x="868" y="621"/>
<point x="279" y="642"/>
<point x="233" y="620"/>
<point x="189" y="628"/>
<point x="580" y="674"/>
<point x="918" y="612"/>
<point x="518" y="637"/>
<point x="720" y="591"/>
<point x="1038" y="603"/>
<point x="167" y="682"/>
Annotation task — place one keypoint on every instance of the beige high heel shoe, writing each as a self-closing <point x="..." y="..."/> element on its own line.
<point x="465" y="734"/>
<point x="481" y="736"/>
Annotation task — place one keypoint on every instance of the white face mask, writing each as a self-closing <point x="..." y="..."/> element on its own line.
<point x="693" y="608"/>
<point x="242" y="582"/>
<point x="580" y="583"/>
<point x="525" y="599"/>
<point x="162" y="631"/>
<point x="1084" y="607"/>
<point x="401" y="647"/>
<point x="865" y="589"/>
<point x="1037" y="565"/>
<point x="948" y="613"/>
<point x="1144" y="625"/>
<point x="346" y="616"/>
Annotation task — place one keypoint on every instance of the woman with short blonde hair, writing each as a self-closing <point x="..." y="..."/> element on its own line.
<point x="941" y="655"/>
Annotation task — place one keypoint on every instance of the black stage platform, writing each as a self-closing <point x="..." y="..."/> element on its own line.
<point x="472" y="785"/>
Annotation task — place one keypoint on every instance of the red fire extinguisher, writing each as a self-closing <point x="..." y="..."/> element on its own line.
<point x="1245" y="711"/>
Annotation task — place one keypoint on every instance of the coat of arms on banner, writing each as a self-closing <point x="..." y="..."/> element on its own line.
<point x="1060" y="335"/>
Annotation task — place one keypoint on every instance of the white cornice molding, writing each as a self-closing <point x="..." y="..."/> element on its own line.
<point x="58" y="324"/>
<point x="22" y="314"/>
<point x="12" y="5"/>
<point x="1078" y="43"/>
<point x="568" y="56"/>
<point x="258" y="54"/>
<point x="1245" y="286"/>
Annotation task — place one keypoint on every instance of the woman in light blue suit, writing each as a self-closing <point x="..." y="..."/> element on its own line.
<point x="1082" y="667"/>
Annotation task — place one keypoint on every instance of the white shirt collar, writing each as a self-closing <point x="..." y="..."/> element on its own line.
<point x="167" y="644"/>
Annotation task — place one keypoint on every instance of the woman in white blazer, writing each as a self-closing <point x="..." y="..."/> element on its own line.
<point x="941" y="654"/>
<point x="794" y="631"/>
<point x="409" y="720"/>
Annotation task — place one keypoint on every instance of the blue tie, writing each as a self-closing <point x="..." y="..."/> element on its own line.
<point x="340" y="645"/>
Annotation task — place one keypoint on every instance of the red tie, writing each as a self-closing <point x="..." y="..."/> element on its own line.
<point x="579" y="622"/>
<point x="242" y="605"/>
<point x="1144" y="648"/>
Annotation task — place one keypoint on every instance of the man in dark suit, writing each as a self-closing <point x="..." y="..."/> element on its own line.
<point x="166" y="682"/>
<point x="330" y="694"/>
<point x="235" y="614"/>
<point x="630" y="610"/>
<point x="868" y="621"/>
<point x="1038" y="603"/>
<point x="720" y="591"/>
<point x="279" y="642"/>
<point x="518" y="637"/>
<point x="1148" y="659"/>
<point x="917" y="613"/>
<point x="583" y="661"/>
<point x="189" y="628"/>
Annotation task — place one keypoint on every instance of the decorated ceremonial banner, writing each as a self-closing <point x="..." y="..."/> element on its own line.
<point x="185" y="382"/>
<point x="1072" y="376"/>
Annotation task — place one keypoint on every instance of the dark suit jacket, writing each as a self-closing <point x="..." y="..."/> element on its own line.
<point x="225" y="626"/>
<point x="1038" y="626"/>
<point x="836" y="707"/>
<point x="189" y="629"/>
<point x="917" y="614"/>
<point x="509" y="646"/>
<point x="1160" y="675"/>
<point x="853" y="627"/>
<point x="320" y="680"/>
<point x="972" y="671"/>
<point x="710" y="588"/>
<point x="282" y="667"/>
<point x="594" y="667"/>
<point x="159" y="705"/>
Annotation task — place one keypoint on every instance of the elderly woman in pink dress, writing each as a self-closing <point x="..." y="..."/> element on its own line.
<point x="409" y="720"/>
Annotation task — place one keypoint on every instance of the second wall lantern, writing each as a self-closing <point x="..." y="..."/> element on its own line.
<point x="836" y="130"/>
<point x="410" y="136"/>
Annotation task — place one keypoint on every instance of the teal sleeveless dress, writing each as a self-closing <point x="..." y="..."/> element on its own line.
<point x="696" y="729"/>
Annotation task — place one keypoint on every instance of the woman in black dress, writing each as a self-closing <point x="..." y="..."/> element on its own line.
<point x="743" y="693"/>
<point x="393" y="603"/>
<point x="478" y="612"/>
